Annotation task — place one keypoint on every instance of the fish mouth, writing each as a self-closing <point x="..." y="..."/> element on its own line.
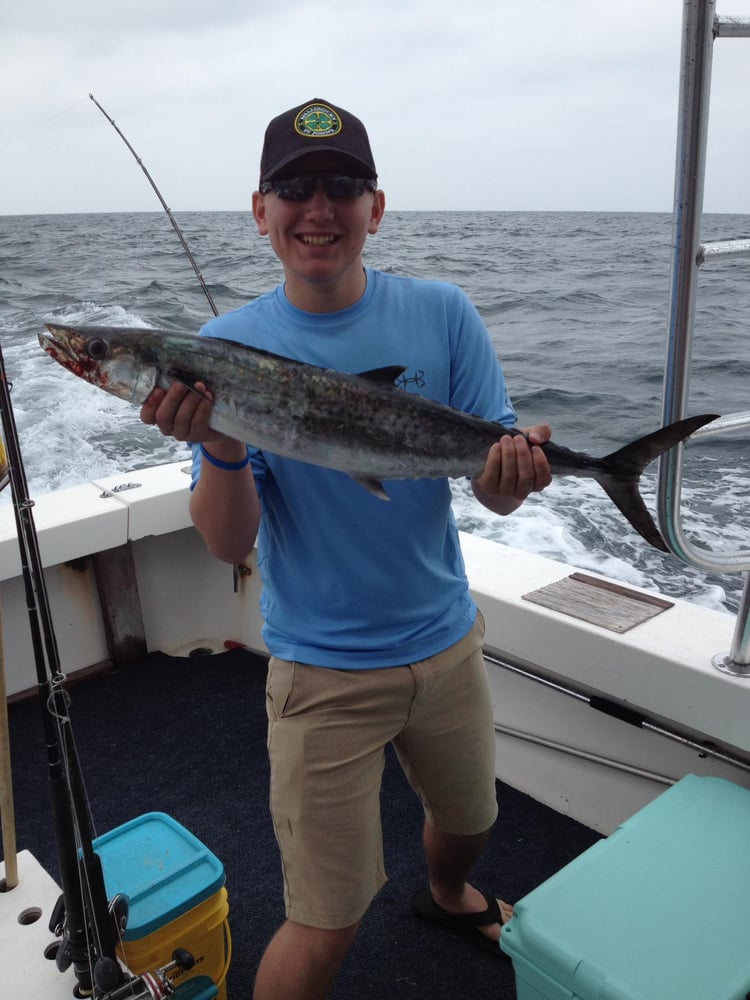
<point x="57" y="344"/>
<point x="68" y="348"/>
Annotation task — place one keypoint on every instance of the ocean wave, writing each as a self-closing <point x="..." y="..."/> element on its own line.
<point x="94" y="314"/>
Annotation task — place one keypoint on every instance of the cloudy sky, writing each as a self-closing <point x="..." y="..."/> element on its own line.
<point x="476" y="104"/>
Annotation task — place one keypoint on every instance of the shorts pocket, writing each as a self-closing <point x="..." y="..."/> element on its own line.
<point x="480" y="624"/>
<point x="279" y="687"/>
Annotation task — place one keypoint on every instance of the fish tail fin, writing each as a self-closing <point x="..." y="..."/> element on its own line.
<point x="622" y="470"/>
<point x="625" y="495"/>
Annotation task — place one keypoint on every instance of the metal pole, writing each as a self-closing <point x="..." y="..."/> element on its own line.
<point x="737" y="660"/>
<point x="692" y="129"/>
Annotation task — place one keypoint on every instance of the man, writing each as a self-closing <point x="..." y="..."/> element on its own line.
<point x="373" y="634"/>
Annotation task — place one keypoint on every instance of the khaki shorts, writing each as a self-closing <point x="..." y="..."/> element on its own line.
<point x="327" y="732"/>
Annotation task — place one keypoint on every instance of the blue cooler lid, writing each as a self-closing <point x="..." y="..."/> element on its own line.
<point x="162" y="869"/>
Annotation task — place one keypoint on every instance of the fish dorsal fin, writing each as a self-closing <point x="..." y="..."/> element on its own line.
<point x="383" y="376"/>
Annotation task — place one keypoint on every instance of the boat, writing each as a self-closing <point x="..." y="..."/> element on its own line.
<point x="605" y="696"/>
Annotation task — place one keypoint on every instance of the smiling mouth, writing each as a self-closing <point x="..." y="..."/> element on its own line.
<point x="317" y="239"/>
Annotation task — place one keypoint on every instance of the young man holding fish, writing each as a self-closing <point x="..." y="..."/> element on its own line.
<point x="373" y="634"/>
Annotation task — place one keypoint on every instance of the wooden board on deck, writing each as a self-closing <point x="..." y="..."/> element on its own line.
<point x="598" y="602"/>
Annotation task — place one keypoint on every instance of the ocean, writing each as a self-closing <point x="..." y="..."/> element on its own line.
<point x="576" y="304"/>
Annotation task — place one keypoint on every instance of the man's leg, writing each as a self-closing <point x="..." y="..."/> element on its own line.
<point x="300" y="962"/>
<point x="450" y="858"/>
<point x="326" y="738"/>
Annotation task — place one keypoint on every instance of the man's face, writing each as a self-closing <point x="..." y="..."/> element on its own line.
<point x="319" y="240"/>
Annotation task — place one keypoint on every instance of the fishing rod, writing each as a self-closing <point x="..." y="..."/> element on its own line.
<point x="82" y="918"/>
<point x="166" y="208"/>
<point x="7" y="812"/>
<point x="86" y="924"/>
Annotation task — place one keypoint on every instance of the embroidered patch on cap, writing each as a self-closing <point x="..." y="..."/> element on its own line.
<point x="317" y="121"/>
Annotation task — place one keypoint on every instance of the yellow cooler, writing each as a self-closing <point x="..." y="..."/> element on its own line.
<point x="176" y="897"/>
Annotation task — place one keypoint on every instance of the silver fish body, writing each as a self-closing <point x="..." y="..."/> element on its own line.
<point x="361" y="424"/>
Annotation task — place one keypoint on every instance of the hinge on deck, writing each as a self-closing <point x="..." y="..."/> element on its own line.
<point x="118" y="489"/>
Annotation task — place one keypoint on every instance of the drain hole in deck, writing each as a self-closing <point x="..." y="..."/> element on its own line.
<point x="51" y="950"/>
<point x="29" y="915"/>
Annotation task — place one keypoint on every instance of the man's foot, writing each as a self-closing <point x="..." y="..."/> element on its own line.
<point x="476" y="916"/>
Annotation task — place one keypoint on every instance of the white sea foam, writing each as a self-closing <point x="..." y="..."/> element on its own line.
<point x="72" y="432"/>
<point x="574" y="523"/>
<point x="92" y="314"/>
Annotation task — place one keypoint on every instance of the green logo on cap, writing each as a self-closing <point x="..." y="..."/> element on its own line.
<point x="317" y="121"/>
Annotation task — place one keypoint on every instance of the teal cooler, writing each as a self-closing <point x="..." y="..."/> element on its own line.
<point x="176" y="894"/>
<point x="658" y="911"/>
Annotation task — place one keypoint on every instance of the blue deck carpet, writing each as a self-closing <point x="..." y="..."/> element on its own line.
<point x="187" y="737"/>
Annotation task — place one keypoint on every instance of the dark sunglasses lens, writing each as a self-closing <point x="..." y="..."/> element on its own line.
<point x="343" y="187"/>
<point x="296" y="188"/>
<point x="337" y="187"/>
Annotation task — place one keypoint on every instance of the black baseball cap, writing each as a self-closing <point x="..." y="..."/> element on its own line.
<point x="314" y="127"/>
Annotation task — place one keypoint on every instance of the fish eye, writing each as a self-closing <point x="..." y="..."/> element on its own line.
<point x="96" y="349"/>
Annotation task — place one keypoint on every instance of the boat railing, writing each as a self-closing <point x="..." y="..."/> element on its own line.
<point x="701" y="26"/>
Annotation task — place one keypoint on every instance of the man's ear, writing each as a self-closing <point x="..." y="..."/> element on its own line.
<point x="378" y="210"/>
<point x="259" y="213"/>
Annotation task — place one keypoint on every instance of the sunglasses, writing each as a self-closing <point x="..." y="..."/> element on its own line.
<point x="336" y="187"/>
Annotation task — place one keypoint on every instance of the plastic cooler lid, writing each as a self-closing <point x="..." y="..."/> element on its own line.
<point x="659" y="909"/>
<point x="162" y="869"/>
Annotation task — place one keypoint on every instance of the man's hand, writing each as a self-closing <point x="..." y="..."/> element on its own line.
<point x="515" y="467"/>
<point x="181" y="413"/>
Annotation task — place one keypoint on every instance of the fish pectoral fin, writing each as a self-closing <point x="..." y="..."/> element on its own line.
<point x="383" y="376"/>
<point x="373" y="486"/>
<point x="186" y="378"/>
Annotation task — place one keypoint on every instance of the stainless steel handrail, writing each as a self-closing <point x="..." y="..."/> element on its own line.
<point x="731" y="27"/>
<point x="700" y="27"/>
<point x="722" y="248"/>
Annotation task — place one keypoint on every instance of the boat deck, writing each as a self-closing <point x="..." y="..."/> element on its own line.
<point x="186" y="736"/>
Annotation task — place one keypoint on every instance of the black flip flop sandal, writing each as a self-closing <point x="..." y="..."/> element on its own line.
<point x="465" y="924"/>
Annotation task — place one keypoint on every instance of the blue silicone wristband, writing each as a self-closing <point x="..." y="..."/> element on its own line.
<point x="230" y="466"/>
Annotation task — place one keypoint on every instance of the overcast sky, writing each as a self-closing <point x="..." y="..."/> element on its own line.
<point x="475" y="104"/>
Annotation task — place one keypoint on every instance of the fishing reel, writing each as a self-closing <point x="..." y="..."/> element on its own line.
<point x="156" y="985"/>
<point x="111" y="982"/>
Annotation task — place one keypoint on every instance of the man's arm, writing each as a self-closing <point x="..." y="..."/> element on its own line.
<point x="224" y="505"/>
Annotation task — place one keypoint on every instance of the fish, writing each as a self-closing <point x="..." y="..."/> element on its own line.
<point x="360" y="424"/>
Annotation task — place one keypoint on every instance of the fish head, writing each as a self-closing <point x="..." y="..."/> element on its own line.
<point x="119" y="361"/>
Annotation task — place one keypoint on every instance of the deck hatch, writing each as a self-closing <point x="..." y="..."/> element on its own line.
<point x="598" y="602"/>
